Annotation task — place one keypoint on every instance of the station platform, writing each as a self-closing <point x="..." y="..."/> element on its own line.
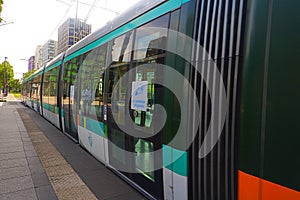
<point x="37" y="161"/>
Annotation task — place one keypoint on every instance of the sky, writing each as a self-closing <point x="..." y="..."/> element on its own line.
<point x="37" y="21"/>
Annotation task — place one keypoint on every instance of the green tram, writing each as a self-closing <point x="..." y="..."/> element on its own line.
<point x="109" y="93"/>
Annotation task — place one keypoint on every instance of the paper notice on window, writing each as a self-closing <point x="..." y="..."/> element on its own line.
<point x="139" y="95"/>
<point x="72" y="92"/>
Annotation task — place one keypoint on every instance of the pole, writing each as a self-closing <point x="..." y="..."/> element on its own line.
<point x="5" y="77"/>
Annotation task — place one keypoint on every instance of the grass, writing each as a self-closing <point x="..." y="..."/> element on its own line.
<point x="17" y="95"/>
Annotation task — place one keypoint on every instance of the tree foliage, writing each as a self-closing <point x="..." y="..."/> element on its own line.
<point x="1" y="2"/>
<point x="27" y="74"/>
<point x="14" y="85"/>
<point x="6" y="70"/>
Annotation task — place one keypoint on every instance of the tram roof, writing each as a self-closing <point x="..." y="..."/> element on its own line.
<point x="133" y="12"/>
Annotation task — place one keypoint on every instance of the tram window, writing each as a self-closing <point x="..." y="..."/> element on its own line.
<point x="150" y="47"/>
<point x="35" y="87"/>
<point x="28" y="88"/>
<point x="46" y="87"/>
<point x="70" y="97"/>
<point x="91" y="82"/>
<point x="119" y="65"/>
<point x="53" y="86"/>
<point x="151" y="38"/>
<point x="121" y="50"/>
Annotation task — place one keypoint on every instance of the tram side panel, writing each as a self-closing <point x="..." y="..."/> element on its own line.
<point x="88" y="95"/>
<point x="269" y="164"/>
<point x="176" y="157"/>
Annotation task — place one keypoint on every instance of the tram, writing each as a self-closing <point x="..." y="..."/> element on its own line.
<point x="185" y="99"/>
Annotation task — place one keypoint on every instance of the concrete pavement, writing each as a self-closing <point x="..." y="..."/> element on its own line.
<point x="21" y="173"/>
<point x="37" y="161"/>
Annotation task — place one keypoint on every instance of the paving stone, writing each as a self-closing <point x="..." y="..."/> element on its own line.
<point x="27" y="143"/>
<point x="23" y="133"/>
<point x="46" y="193"/>
<point x="48" y="155"/>
<point x="30" y="153"/>
<point x="9" y="140"/>
<point x="36" y="169"/>
<point x="40" y="180"/>
<point x="13" y="163"/>
<point x="26" y="139"/>
<point x="22" y="128"/>
<point x="53" y="161"/>
<point x="28" y="147"/>
<point x="8" y="129"/>
<point x="13" y="155"/>
<point x="66" y="182"/>
<point x="11" y="144"/>
<point x="14" y="172"/>
<point x="6" y="134"/>
<point x="15" y="184"/>
<point x="10" y="136"/>
<point x="78" y="192"/>
<point x="11" y="149"/>
<point x="59" y="171"/>
<point x="27" y="194"/>
<point x="33" y="160"/>
<point x="130" y="195"/>
<point x="44" y="149"/>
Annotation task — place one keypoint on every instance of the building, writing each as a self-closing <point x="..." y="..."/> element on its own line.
<point x="49" y="51"/>
<point x="67" y="36"/>
<point x="31" y="63"/>
<point x="38" y="57"/>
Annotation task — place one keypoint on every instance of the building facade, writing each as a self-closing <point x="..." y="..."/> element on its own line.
<point x="49" y="51"/>
<point x="70" y="32"/>
<point x="31" y="63"/>
<point x="38" y="57"/>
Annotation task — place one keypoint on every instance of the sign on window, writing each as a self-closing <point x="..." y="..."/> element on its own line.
<point x="139" y="96"/>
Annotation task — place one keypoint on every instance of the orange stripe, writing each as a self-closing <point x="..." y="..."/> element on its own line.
<point x="272" y="191"/>
<point x="248" y="186"/>
<point x="249" y="189"/>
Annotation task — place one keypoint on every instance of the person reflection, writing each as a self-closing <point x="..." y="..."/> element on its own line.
<point x="86" y="98"/>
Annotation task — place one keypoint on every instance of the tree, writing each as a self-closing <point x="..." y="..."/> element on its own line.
<point x="14" y="85"/>
<point x="27" y="74"/>
<point x="1" y="2"/>
<point x="6" y="71"/>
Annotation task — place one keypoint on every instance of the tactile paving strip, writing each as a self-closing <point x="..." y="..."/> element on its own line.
<point x="64" y="180"/>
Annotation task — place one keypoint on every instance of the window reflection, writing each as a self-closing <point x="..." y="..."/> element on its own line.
<point x="53" y="75"/>
<point x="46" y="88"/>
<point x="91" y="83"/>
<point x="120" y="62"/>
<point x="145" y="160"/>
<point x="151" y="41"/>
<point x="150" y="47"/>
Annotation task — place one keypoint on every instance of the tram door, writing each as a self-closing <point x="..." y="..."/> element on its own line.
<point x="35" y="94"/>
<point x="146" y="162"/>
<point x="127" y="153"/>
<point x="70" y="99"/>
<point x="135" y="71"/>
